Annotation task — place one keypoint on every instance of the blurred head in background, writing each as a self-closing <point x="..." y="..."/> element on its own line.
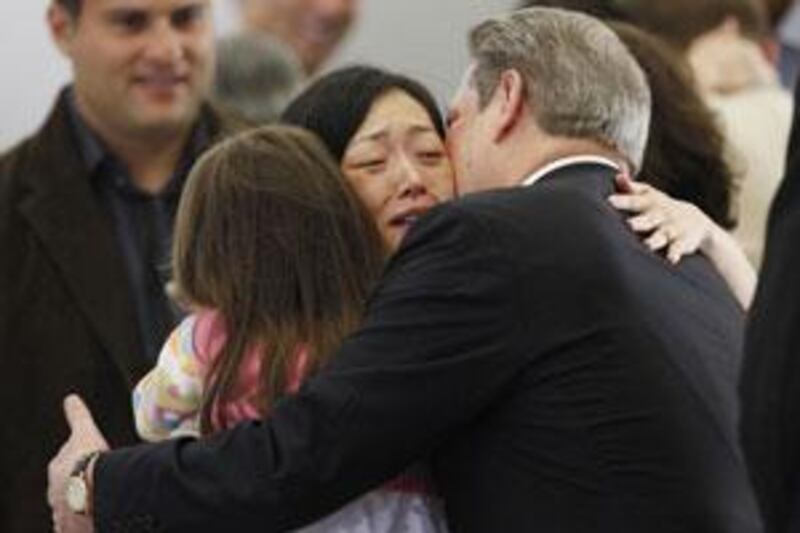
<point x="311" y="28"/>
<point x="256" y="75"/>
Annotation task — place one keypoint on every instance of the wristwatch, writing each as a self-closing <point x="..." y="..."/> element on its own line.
<point x="78" y="490"/>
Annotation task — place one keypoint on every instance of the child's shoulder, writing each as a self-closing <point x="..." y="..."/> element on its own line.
<point x="203" y="333"/>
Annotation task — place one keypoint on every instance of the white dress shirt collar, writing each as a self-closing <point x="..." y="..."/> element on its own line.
<point x="568" y="161"/>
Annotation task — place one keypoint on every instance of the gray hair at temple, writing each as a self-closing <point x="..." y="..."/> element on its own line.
<point x="256" y="75"/>
<point x="580" y="80"/>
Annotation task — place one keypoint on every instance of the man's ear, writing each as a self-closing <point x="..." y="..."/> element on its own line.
<point x="62" y="26"/>
<point x="510" y="103"/>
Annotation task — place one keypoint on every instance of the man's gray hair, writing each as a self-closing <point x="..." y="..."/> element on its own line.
<point x="580" y="80"/>
<point x="256" y="75"/>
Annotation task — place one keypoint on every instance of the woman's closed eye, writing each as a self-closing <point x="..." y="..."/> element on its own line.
<point x="431" y="156"/>
<point x="371" y="164"/>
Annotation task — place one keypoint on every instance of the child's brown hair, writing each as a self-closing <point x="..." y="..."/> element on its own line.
<point x="270" y="235"/>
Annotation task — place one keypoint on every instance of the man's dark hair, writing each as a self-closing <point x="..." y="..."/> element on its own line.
<point x="72" y="6"/>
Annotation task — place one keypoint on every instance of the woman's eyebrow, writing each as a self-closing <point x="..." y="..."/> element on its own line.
<point x="375" y="135"/>
<point x="383" y="132"/>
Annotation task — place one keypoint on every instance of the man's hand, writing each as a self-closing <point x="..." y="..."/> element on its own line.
<point x="84" y="438"/>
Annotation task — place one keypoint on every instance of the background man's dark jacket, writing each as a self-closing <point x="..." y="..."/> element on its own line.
<point x="67" y="321"/>
<point x="563" y="378"/>
<point x="771" y="377"/>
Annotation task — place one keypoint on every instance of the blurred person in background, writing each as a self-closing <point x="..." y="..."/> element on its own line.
<point x="313" y="29"/>
<point x="86" y="209"/>
<point x="729" y="46"/>
<point x="602" y="9"/>
<point x="786" y="24"/>
<point x="257" y="75"/>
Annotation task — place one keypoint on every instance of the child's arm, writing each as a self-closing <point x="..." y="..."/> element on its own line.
<point x="166" y="402"/>
<point x="683" y="229"/>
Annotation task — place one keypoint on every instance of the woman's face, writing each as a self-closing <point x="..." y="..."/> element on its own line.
<point x="397" y="164"/>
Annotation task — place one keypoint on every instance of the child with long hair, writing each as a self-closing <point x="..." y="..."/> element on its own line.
<point x="275" y="256"/>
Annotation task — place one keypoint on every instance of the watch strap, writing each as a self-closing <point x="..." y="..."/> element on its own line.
<point x="79" y="470"/>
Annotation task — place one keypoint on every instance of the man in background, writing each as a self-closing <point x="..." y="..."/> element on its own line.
<point x="86" y="209"/>
<point x="257" y="75"/>
<point x="313" y="29"/>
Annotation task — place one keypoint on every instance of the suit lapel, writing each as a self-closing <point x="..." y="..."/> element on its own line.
<point x="64" y="213"/>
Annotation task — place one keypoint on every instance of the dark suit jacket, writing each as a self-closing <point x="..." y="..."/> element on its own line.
<point x="67" y="322"/>
<point x="563" y="378"/>
<point x="771" y="377"/>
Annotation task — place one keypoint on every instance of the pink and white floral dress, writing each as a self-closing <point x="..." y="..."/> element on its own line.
<point x="167" y="402"/>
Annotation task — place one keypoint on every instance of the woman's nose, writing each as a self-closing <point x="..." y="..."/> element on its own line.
<point x="411" y="179"/>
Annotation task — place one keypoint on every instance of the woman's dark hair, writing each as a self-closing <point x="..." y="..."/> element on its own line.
<point x="335" y="105"/>
<point x="270" y="235"/>
<point x="685" y="150"/>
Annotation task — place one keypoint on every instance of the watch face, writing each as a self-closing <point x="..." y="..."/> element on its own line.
<point x="76" y="494"/>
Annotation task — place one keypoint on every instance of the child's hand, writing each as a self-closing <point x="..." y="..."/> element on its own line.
<point x="679" y="227"/>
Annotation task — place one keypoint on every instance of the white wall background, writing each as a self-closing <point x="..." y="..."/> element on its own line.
<point x="422" y="38"/>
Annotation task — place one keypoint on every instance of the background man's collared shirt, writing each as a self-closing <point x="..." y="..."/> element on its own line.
<point x="143" y="225"/>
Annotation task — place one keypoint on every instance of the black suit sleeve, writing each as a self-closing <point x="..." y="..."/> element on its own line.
<point x="770" y="384"/>
<point x="436" y="347"/>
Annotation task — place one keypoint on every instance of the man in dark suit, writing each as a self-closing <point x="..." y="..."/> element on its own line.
<point x="561" y="377"/>
<point x="85" y="217"/>
<point x="771" y="375"/>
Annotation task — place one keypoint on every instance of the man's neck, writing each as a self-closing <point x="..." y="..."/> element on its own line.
<point x="151" y="167"/>
<point x="151" y="158"/>
<point x="551" y="149"/>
